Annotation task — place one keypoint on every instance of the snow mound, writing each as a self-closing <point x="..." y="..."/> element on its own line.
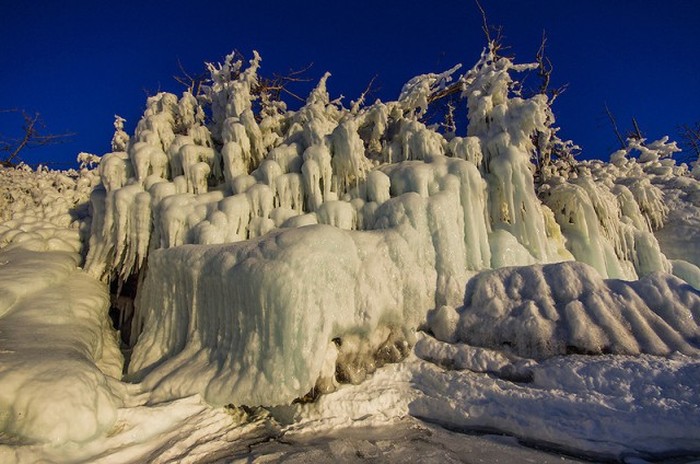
<point x="58" y="352"/>
<point x="28" y="231"/>
<point x="544" y="310"/>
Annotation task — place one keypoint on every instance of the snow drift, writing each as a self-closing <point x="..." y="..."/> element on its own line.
<point x="58" y="353"/>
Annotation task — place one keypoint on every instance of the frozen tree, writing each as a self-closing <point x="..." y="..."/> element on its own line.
<point x="120" y="140"/>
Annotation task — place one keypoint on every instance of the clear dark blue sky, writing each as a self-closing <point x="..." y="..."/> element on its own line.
<point x="80" y="62"/>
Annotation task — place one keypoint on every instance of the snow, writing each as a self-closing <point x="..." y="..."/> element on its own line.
<point x="57" y="368"/>
<point x="349" y="283"/>
<point x="608" y="407"/>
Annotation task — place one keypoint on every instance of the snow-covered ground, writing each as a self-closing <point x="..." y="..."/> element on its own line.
<point x="349" y="284"/>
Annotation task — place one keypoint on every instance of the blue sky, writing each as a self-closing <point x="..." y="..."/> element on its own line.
<point x="80" y="62"/>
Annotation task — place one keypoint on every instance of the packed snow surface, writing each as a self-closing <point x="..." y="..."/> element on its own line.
<point x="404" y="274"/>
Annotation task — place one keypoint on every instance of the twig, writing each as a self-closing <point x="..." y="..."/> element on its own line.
<point x="614" y="126"/>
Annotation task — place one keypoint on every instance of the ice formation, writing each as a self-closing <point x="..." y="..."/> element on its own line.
<point x="218" y="210"/>
<point x="320" y="282"/>
<point x="542" y="311"/>
<point x="179" y="181"/>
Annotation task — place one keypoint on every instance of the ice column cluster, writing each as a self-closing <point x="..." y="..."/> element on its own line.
<point x="180" y="181"/>
<point x="608" y="220"/>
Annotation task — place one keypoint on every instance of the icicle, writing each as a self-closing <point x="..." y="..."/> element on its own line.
<point x="338" y="214"/>
<point x="115" y="170"/>
<point x="237" y="210"/>
<point x="349" y="163"/>
<point x="289" y="192"/>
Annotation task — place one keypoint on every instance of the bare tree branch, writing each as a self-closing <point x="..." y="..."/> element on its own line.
<point x="192" y="83"/>
<point x="276" y="85"/>
<point x="485" y="23"/>
<point x="544" y="71"/>
<point x="614" y="126"/>
<point x="291" y="94"/>
<point x="33" y="136"/>
<point x="690" y="136"/>
<point x="451" y="89"/>
<point x="361" y="99"/>
<point x="636" y="133"/>
<point x="494" y="44"/>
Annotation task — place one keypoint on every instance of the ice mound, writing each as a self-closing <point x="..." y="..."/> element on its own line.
<point x="253" y="322"/>
<point x="58" y="352"/>
<point x="545" y="310"/>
